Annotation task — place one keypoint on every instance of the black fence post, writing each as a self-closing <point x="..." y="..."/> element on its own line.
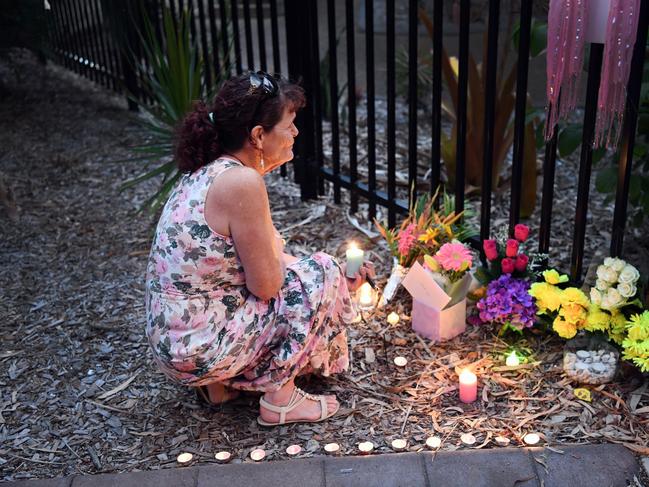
<point x="300" y="68"/>
<point x="123" y="25"/>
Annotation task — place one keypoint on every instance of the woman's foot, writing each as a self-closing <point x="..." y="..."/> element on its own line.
<point x="218" y="393"/>
<point x="309" y="409"/>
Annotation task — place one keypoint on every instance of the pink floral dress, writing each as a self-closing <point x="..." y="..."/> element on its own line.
<point x="204" y="325"/>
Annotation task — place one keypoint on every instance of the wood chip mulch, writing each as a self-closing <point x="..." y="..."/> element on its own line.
<point x="79" y="393"/>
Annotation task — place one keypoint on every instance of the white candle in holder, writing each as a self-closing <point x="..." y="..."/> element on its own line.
<point x="354" y="259"/>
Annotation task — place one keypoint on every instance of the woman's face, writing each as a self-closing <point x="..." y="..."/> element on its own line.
<point x="278" y="142"/>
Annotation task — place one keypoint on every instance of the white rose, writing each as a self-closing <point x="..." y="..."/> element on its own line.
<point x="605" y="303"/>
<point x="610" y="275"/>
<point x="614" y="263"/>
<point x="604" y="273"/>
<point x="595" y="296"/>
<point x="629" y="274"/>
<point x="602" y="285"/>
<point x="613" y="299"/>
<point x="626" y="289"/>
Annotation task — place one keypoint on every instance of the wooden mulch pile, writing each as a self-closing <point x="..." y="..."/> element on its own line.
<point x="79" y="392"/>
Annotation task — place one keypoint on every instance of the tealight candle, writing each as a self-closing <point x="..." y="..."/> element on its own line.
<point x="502" y="440"/>
<point x="365" y="447"/>
<point x="365" y="296"/>
<point x="531" y="438"/>
<point x="332" y="448"/>
<point x="400" y="361"/>
<point x="512" y="360"/>
<point x="468" y="439"/>
<point x="468" y="386"/>
<point x="433" y="442"/>
<point x="257" y="454"/>
<point x="184" y="458"/>
<point x="393" y="318"/>
<point x="354" y="259"/>
<point x="399" y="444"/>
<point x="223" y="456"/>
<point x="293" y="450"/>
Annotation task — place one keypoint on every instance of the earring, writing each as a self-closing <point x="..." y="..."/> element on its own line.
<point x="261" y="160"/>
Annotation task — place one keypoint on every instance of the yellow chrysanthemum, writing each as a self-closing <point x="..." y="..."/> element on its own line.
<point x="553" y="277"/>
<point x="573" y="313"/>
<point x="563" y="328"/>
<point x="573" y="295"/>
<point x="636" y="344"/>
<point x="548" y="297"/>
<point x="618" y="327"/>
<point x="597" y="319"/>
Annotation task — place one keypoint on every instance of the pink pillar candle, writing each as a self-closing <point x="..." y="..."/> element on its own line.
<point x="468" y="386"/>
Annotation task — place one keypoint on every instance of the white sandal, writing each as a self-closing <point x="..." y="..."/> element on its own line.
<point x="297" y="397"/>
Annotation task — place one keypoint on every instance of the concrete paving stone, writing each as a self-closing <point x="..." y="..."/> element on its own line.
<point x="176" y="477"/>
<point x="291" y="473"/>
<point x="405" y="469"/>
<point x="606" y="465"/>
<point x="480" y="468"/>
<point x="55" y="482"/>
<point x="644" y="460"/>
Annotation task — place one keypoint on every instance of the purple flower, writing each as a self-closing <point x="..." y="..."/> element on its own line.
<point x="508" y="302"/>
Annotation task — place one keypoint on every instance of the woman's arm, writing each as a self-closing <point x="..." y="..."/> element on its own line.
<point x="243" y="197"/>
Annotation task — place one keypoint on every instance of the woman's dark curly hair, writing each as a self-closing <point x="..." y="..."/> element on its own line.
<point x="235" y="110"/>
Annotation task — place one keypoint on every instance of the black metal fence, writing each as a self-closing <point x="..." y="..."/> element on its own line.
<point x="96" y="37"/>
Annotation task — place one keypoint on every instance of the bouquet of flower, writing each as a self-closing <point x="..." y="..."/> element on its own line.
<point x="507" y="256"/>
<point x="508" y="303"/>
<point x="566" y="308"/>
<point x="425" y="229"/>
<point x="450" y="268"/>
<point x="616" y="284"/>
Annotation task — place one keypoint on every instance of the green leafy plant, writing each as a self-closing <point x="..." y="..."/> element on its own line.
<point x="172" y="77"/>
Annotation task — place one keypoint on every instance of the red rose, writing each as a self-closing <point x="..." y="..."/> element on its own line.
<point x="507" y="265"/>
<point x="521" y="232"/>
<point x="512" y="248"/>
<point x="490" y="249"/>
<point x="521" y="262"/>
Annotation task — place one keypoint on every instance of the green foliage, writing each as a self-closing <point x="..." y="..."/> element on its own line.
<point x="172" y="77"/>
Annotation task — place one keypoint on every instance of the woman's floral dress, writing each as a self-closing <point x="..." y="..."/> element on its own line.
<point x="204" y="325"/>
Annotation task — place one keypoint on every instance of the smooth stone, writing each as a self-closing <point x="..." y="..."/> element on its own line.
<point x="583" y="354"/>
<point x="581" y="366"/>
<point x="599" y="367"/>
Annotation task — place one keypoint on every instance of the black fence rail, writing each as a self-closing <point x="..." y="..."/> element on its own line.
<point x="98" y="39"/>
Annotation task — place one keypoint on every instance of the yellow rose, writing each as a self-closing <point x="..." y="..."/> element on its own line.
<point x="563" y="328"/>
<point x="574" y="295"/>
<point x="548" y="297"/>
<point x="553" y="277"/>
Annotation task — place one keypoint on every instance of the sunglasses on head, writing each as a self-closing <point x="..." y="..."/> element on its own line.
<point x="265" y="82"/>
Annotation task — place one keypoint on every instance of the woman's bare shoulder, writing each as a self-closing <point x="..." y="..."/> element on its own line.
<point x="239" y="186"/>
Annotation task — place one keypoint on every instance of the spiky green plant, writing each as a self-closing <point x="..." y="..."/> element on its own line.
<point x="172" y="77"/>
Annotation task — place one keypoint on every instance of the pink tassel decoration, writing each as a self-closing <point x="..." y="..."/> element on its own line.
<point x="566" y="25"/>
<point x="621" y="30"/>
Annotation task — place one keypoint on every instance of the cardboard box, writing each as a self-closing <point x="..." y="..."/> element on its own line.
<point x="435" y="314"/>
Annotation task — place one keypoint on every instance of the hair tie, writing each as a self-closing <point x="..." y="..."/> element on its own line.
<point x="210" y="116"/>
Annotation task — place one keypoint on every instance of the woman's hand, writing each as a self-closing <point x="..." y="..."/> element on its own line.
<point x="366" y="270"/>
